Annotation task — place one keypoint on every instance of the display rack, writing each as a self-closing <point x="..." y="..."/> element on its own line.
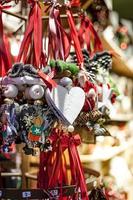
<point x="36" y="193"/>
<point x="120" y="119"/>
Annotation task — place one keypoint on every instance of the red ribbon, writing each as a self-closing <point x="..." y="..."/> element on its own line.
<point x="74" y="37"/>
<point x="47" y="80"/>
<point x="31" y="47"/>
<point x="87" y="34"/>
<point x="53" y="167"/>
<point x="5" y="61"/>
<point x="59" y="41"/>
<point x="75" y="3"/>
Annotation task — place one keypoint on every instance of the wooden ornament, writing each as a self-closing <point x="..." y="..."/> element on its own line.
<point x="68" y="103"/>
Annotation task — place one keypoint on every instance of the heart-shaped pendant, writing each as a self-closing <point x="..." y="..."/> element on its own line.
<point x="67" y="103"/>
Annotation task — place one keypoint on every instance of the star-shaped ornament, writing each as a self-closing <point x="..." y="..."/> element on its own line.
<point x="106" y="98"/>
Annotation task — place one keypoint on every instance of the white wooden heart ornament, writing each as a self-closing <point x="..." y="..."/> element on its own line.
<point x="67" y="102"/>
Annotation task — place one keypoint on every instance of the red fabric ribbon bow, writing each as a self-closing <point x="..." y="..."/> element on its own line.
<point x="54" y="165"/>
<point x="87" y="34"/>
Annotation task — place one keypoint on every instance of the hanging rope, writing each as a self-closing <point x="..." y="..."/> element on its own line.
<point x="59" y="41"/>
<point x="88" y="35"/>
<point x="53" y="166"/>
<point x="74" y="37"/>
<point x="31" y="47"/>
<point x="5" y="61"/>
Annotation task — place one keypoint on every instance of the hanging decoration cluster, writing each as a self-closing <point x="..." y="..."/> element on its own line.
<point x="46" y="97"/>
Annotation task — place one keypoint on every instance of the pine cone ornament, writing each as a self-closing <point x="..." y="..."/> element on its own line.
<point x="102" y="60"/>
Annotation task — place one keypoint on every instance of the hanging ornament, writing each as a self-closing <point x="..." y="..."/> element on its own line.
<point x="10" y="126"/>
<point x="36" y="122"/>
<point x="55" y="164"/>
<point x="106" y="98"/>
<point x="100" y="60"/>
<point x="123" y="37"/>
<point x="56" y="97"/>
<point x="64" y="102"/>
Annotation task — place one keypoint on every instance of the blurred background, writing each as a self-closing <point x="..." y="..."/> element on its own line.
<point x="111" y="156"/>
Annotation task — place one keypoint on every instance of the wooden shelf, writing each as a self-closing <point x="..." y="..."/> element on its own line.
<point x="86" y="4"/>
<point x="11" y="174"/>
<point x="120" y="119"/>
<point x="119" y="66"/>
<point x="106" y="153"/>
